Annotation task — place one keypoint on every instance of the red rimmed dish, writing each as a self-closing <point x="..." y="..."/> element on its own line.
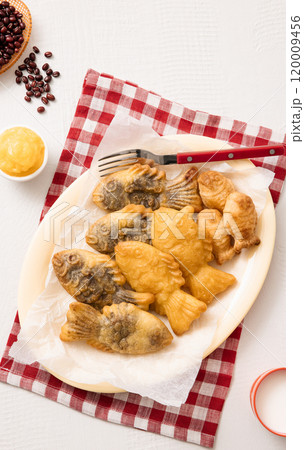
<point x="270" y="386"/>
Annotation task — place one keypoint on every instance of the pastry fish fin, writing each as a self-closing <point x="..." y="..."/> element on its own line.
<point x="97" y="344"/>
<point x="208" y="282"/>
<point x="182" y="191"/>
<point x="142" y="300"/>
<point x="182" y="309"/>
<point x="239" y="244"/>
<point x="83" y="323"/>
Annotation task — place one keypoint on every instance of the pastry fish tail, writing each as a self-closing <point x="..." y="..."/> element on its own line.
<point x="183" y="191"/>
<point x="83" y="323"/>
<point x="239" y="244"/>
<point x="208" y="282"/>
<point x="182" y="309"/>
<point x="142" y="300"/>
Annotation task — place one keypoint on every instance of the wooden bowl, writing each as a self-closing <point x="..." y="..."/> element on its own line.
<point x="27" y="19"/>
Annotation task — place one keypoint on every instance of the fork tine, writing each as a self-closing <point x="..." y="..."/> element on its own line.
<point x="117" y="166"/>
<point x="125" y="158"/>
<point x="124" y="152"/>
<point x="113" y="170"/>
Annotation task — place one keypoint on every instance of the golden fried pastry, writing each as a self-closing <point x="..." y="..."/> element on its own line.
<point x="133" y="222"/>
<point x="149" y="270"/>
<point x="95" y="279"/>
<point x="240" y="217"/>
<point x="145" y="185"/>
<point x="214" y="189"/>
<point x="121" y="328"/>
<point x="176" y="232"/>
<point x="210" y="223"/>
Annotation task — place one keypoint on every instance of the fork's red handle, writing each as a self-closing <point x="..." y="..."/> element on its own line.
<point x="232" y="153"/>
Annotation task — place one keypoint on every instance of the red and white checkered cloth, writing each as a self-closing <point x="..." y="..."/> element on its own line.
<point x="197" y="420"/>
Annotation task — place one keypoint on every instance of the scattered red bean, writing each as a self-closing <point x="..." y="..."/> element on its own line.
<point x="35" y="84"/>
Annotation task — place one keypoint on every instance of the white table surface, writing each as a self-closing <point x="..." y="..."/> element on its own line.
<point x="223" y="57"/>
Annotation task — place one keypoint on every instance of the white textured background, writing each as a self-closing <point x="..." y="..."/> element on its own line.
<point x="222" y="57"/>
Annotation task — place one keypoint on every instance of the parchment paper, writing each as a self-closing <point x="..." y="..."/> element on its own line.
<point x="165" y="376"/>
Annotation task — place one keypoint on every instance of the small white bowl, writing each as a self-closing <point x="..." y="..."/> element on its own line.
<point x="38" y="171"/>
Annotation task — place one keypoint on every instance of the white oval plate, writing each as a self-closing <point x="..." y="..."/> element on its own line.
<point x="35" y="266"/>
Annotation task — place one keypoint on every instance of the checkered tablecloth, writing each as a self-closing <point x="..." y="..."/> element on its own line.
<point x="197" y="420"/>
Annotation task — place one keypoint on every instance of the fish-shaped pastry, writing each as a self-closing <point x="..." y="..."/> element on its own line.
<point x="176" y="233"/>
<point x="142" y="184"/>
<point x="240" y="217"/>
<point x="210" y="222"/>
<point x="214" y="189"/>
<point x="132" y="223"/>
<point x="121" y="328"/>
<point x="95" y="279"/>
<point x="147" y="269"/>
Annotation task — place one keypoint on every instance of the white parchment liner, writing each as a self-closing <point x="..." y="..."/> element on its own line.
<point x="165" y="376"/>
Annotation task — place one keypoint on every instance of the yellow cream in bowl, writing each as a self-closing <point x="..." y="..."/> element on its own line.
<point x="21" y="151"/>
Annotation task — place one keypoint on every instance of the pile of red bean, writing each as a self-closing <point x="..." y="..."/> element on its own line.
<point x="11" y="32"/>
<point x="35" y="82"/>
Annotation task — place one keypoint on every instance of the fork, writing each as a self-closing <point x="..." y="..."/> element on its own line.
<point x="126" y="158"/>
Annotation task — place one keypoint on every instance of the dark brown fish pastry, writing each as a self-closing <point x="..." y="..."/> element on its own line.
<point x="145" y="185"/>
<point x="95" y="279"/>
<point x="122" y="328"/>
<point x="132" y="223"/>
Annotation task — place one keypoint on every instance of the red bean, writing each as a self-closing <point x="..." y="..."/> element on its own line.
<point x="41" y="109"/>
<point x="48" y="54"/>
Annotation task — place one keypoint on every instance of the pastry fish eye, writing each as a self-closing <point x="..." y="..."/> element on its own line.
<point x="104" y="230"/>
<point x="73" y="258"/>
<point x="111" y="186"/>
